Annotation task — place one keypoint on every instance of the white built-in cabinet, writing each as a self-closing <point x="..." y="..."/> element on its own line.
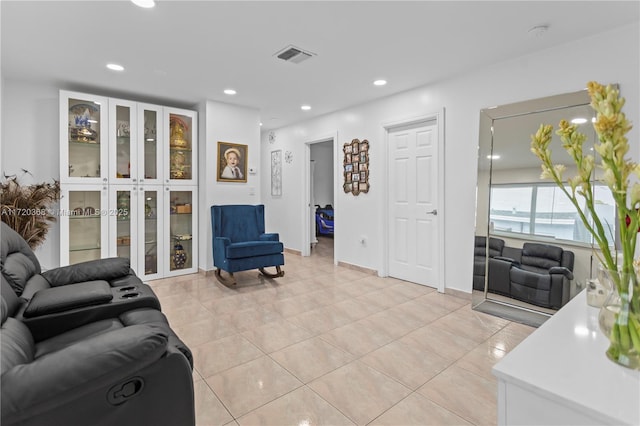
<point x="129" y="184"/>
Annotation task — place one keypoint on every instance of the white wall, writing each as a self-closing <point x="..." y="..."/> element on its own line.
<point x="226" y="123"/>
<point x="30" y="141"/>
<point x="557" y="70"/>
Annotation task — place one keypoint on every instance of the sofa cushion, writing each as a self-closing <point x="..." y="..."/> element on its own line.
<point x="34" y="285"/>
<point x="17" y="269"/>
<point x="17" y="345"/>
<point x="253" y="248"/>
<point x="540" y="281"/>
<point x="542" y="257"/>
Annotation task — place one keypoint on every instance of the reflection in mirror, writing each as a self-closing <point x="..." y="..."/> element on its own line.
<point x="532" y="253"/>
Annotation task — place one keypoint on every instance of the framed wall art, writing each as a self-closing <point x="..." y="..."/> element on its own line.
<point x="276" y="173"/>
<point x="356" y="167"/>
<point x="232" y="162"/>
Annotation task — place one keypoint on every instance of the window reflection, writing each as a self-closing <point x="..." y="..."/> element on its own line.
<point x="542" y="210"/>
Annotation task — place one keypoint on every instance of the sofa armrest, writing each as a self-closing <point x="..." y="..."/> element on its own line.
<point x="101" y="269"/>
<point x="269" y="237"/>
<point x="84" y="367"/>
<point x="561" y="270"/>
<point x="59" y="299"/>
<point x="507" y="259"/>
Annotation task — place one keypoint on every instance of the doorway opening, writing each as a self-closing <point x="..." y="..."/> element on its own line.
<point x="320" y="199"/>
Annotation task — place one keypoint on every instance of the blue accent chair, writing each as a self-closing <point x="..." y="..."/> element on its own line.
<point x="240" y="243"/>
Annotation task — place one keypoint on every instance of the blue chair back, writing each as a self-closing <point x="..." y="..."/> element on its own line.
<point x="238" y="222"/>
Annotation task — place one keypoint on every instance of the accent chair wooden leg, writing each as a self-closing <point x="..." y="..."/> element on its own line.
<point x="230" y="281"/>
<point x="279" y="272"/>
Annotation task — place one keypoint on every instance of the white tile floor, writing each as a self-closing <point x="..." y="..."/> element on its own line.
<point x="331" y="345"/>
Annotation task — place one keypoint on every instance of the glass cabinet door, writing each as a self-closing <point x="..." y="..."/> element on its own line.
<point x="181" y="160"/>
<point x="83" y="224"/>
<point x="150" y="231"/>
<point x="150" y="135"/>
<point x="122" y="222"/>
<point x="122" y="142"/>
<point x="181" y="225"/>
<point x="83" y="154"/>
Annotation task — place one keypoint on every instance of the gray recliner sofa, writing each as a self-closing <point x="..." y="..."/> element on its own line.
<point x="86" y="344"/>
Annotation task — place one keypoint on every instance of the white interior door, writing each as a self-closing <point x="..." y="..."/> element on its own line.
<point x="413" y="197"/>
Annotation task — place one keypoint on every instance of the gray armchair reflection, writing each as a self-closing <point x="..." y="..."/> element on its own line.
<point x="480" y="253"/>
<point x="539" y="274"/>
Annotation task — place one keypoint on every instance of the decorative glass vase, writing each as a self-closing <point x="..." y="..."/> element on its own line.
<point x="619" y="319"/>
<point x="179" y="257"/>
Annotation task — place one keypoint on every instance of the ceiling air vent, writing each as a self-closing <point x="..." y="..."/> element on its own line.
<point x="294" y="54"/>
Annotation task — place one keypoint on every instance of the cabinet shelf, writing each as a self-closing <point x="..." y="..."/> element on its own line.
<point x="84" y="248"/>
<point x="85" y="217"/>
<point x="82" y="143"/>
<point x="173" y="148"/>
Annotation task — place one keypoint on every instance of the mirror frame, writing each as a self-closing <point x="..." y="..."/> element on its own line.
<point x="488" y="117"/>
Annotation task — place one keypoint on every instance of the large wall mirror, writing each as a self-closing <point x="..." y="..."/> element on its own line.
<point x="532" y="253"/>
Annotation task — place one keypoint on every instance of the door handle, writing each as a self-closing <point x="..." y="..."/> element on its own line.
<point x="433" y="212"/>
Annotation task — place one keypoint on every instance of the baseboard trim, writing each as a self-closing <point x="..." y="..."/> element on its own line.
<point x="358" y="268"/>
<point x="206" y="273"/>
<point x="458" y="293"/>
<point x="292" y="251"/>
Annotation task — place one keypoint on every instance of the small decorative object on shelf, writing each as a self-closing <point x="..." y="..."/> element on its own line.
<point x="179" y="257"/>
<point x="356" y="167"/>
<point x="178" y="128"/>
<point x="597" y="292"/>
<point x="620" y="313"/>
<point x="178" y="160"/>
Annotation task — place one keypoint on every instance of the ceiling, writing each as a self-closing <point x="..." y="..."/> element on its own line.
<point x="184" y="52"/>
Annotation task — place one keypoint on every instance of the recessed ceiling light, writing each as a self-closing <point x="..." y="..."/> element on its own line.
<point x="579" y="120"/>
<point x="493" y="157"/>
<point x="305" y="107"/>
<point x="261" y="123"/>
<point x="380" y="82"/>
<point x="144" y="3"/>
<point x="115" y="67"/>
<point x="229" y="92"/>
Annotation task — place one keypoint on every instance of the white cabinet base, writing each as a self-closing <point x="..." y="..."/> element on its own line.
<point x="560" y="375"/>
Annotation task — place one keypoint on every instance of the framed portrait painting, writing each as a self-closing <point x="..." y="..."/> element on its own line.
<point x="232" y="162"/>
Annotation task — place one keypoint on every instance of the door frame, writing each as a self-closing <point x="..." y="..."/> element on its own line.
<point x="306" y="199"/>
<point x="438" y="118"/>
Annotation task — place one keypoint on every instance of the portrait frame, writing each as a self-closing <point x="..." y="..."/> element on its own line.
<point x="223" y="174"/>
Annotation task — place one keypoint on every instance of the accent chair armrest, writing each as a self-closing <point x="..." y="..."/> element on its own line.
<point x="269" y="237"/>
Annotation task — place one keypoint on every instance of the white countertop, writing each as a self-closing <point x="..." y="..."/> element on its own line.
<point x="565" y="360"/>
